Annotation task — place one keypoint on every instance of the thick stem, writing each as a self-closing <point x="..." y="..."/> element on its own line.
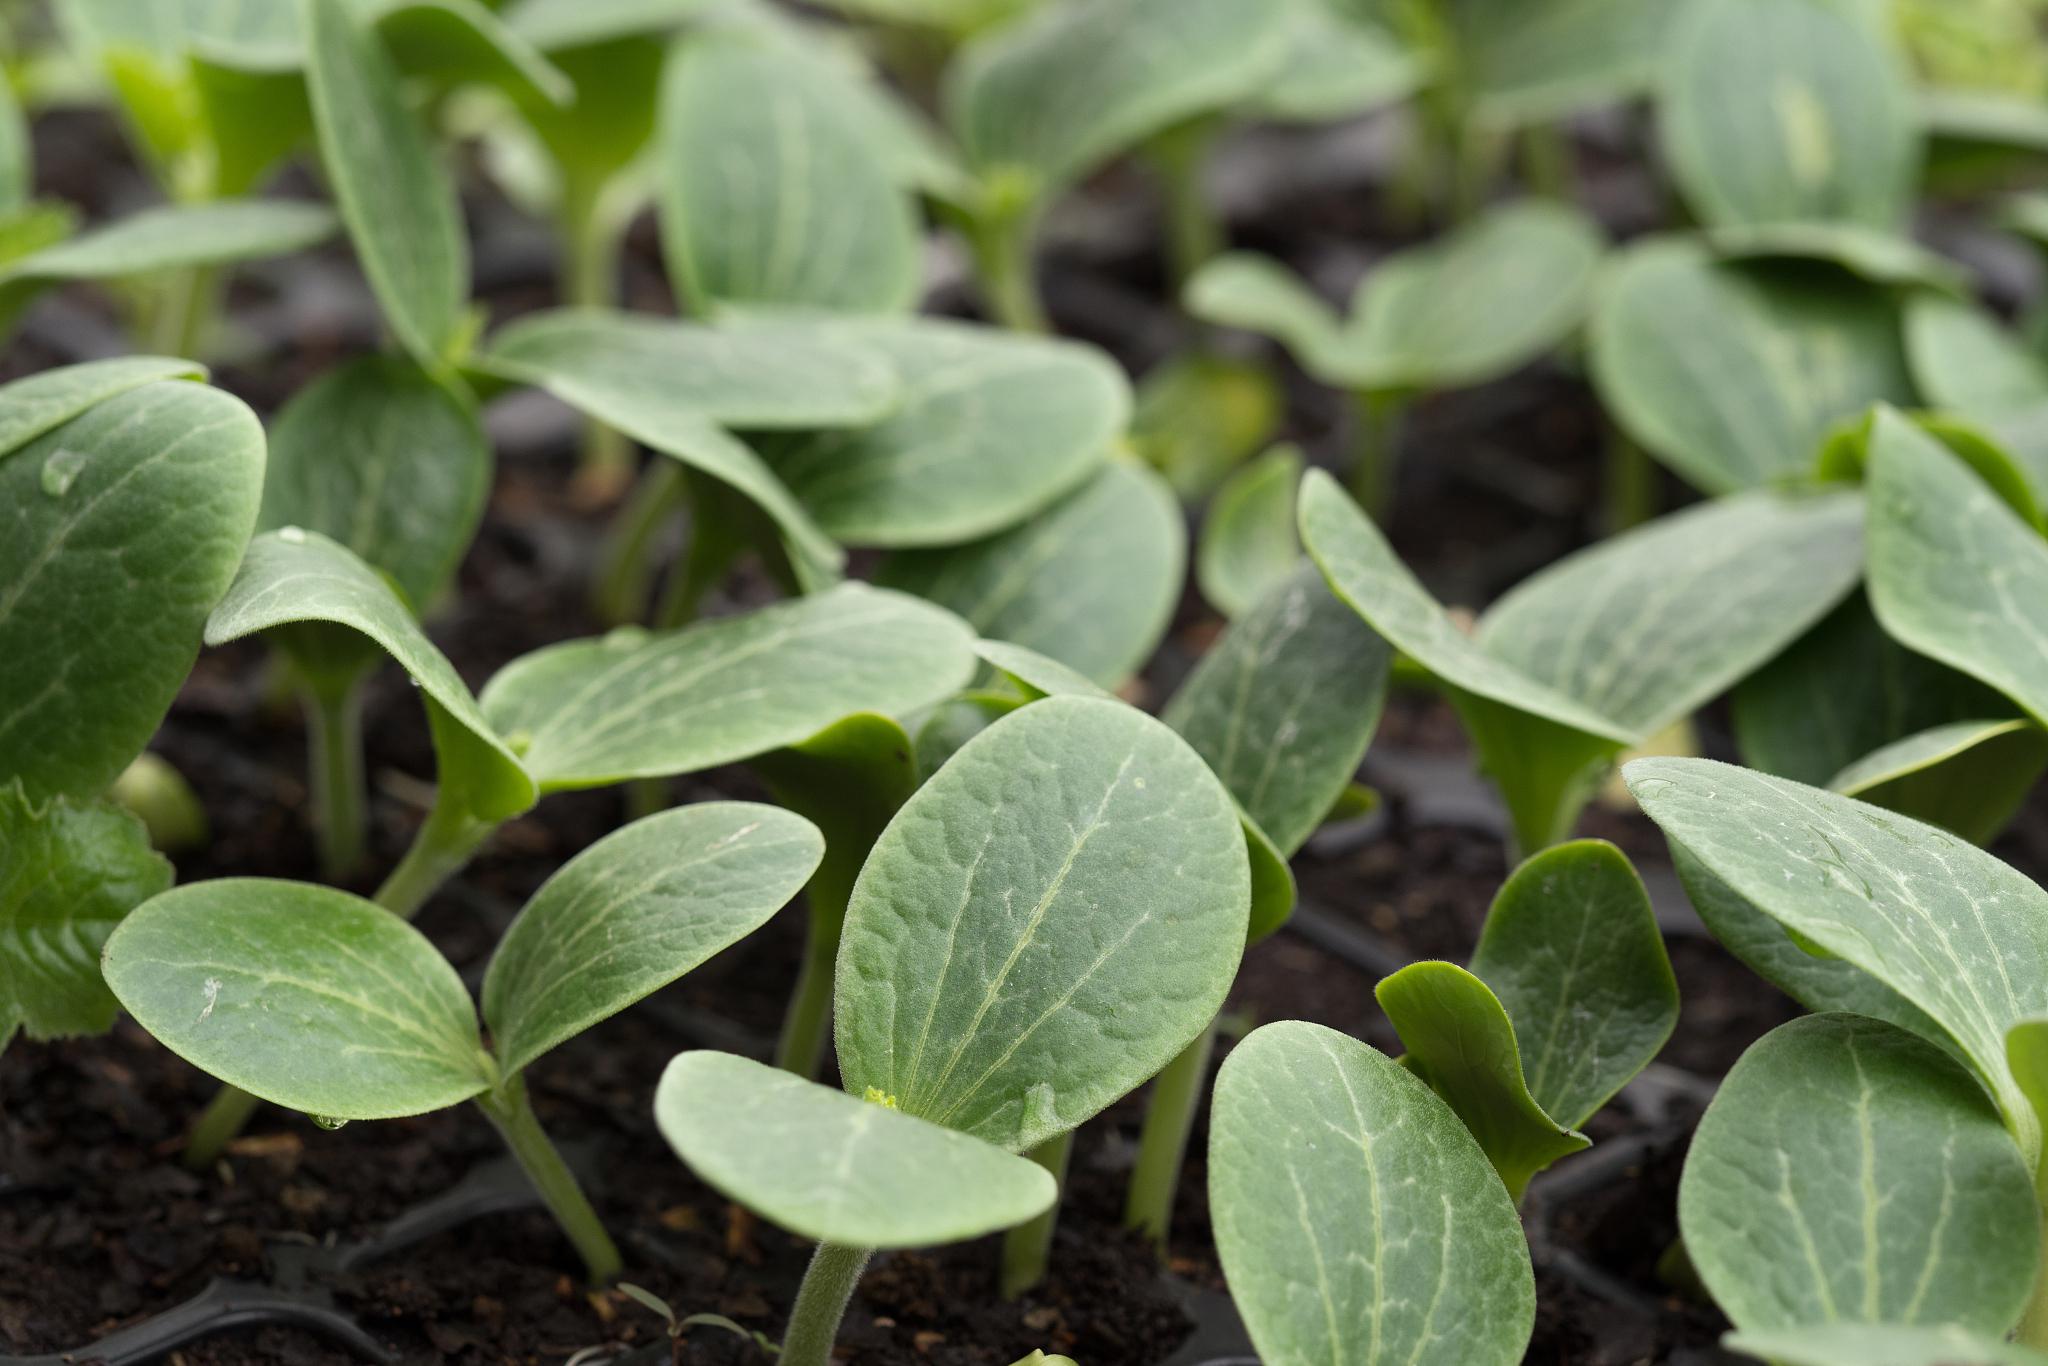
<point x="590" y="279"/>
<point x="219" y="1123"/>
<point x="184" y="312"/>
<point x="821" y="1303"/>
<point x="1027" y="1248"/>
<point x="1193" y="233"/>
<point x="807" y="1027"/>
<point x="1004" y="250"/>
<point x="1163" y="1143"/>
<point x="1377" y="417"/>
<point x="626" y="565"/>
<point x="512" y="1114"/>
<point x="1629" y="485"/>
<point x="441" y="849"/>
<point x="334" y="725"/>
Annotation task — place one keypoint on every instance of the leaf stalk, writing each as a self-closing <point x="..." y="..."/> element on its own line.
<point x="511" y="1112"/>
<point x="821" y="1302"/>
<point x="1027" y="1248"/>
<point x="1163" y="1142"/>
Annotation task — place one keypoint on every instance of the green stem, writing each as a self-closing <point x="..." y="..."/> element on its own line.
<point x="1547" y="160"/>
<point x="807" y="1027"/>
<point x="511" y="1112"/>
<point x="2033" y="1329"/>
<point x="719" y="527"/>
<point x="185" y="311"/>
<point x="334" y="722"/>
<point x="1027" y="1248"/>
<point x="1004" y="248"/>
<point x="442" y="848"/>
<point x="1163" y="1143"/>
<point x="821" y="1304"/>
<point x="1378" y="416"/>
<point x="1629" y="485"/>
<point x="219" y="1123"/>
<point x="1193" y="234"/>
<point x="590" y="279"/>
<point x="626" y="564"/>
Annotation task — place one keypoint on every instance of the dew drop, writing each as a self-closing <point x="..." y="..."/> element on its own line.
<point x="413" y="679"/>
<point x="60" y="470"/>
<point x="292" y="535"/>
<point x="328" y="1122"/>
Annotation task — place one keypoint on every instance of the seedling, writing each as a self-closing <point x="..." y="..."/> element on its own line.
<point x="1608" y="646"/>
<point x="1071" y="861"/>
<point x="320" y="1001"/>
<point x="1897" y="1187"/>
<point x="1522" y="280"/>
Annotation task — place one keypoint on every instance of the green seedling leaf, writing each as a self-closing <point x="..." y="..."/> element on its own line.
<point x="1248" y="544"/>
<point x="39" y="403"/>
<point x="772" y="191"/>
<point x="1783" y="111"/>
<point x="957" y="18"/>
<point x="169" y="237"/>
<point x="387" y="461"/>
<point x="634" y="912"/>
<point x="991" y="428"/>
<point x="1842" y="691"/>
<point x="1572" y="950"/>
<point x="1649" y="625"/>
<point x="395" y="196"/>
<point x="1847" y="1170"/>
<point x="1486" y="299"/>
<point x="1200" y="417"/>
<point x="1879" y="1344"/>
<point x="1357" y="1220"/>
<point x="1284" y="705"/>
<point x="1461" y="1042"/>
<point x="836" y="1167"/>
<point x="1964" y="359"/>
<point x="1072" y="858"/>
<point x="1535" y="61"/>
<point x="630" y="705"/>
<point x="1966" y="776"/>
<point x="255" y="118"/>
<point x="1795" y="349"/>
<point x="128" y="516"/>
<point x="244" y="978"/>
<point x="1875" y="255"/>
<point x="1044" y="101"/>
<point x="1951" y="929"/>
<point x="1335" y="66"/>
<point x="553" y="25"/>
<point x="68" y="874"/>
<point x="293" y="576"/>
<point x="1091" y="581"/>
<point x="1955" y="574"/>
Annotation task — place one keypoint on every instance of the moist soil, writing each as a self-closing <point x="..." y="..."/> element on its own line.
<point x="102" y="1229"/>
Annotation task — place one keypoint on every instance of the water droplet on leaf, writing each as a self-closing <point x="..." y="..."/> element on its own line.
<point x="328" y="1122"/>
<point x="60" y="470"/>
<point x="292" y="535"/>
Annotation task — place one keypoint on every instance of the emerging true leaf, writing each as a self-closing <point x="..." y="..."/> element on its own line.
<point x="1847" y="1170"/>
<point x="68" y="874"/>
<point x="1357" y="1220"/>
<point x="1074" y="857"/>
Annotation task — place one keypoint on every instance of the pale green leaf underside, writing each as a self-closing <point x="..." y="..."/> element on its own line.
<point x="1091" y="581"/>
<point x="1248" y="544"/>
<point x="1647" y="626"/>
<point x="34" y="404"/>
<point x="308" y="997"/>
<point x="68" y="874"/>
<point x="772" y="188"/>
<point x="1038" y="675"/>
<point x="836" y="1167"/>
<point x="632" y="705"/>
<point x="1534" y="62"/>
<point x="1284" y="705"/>
<point x="1358" y="1222"/>
<point x="1880" y="1344"/>
<point x="119" y="530"/>
<point x="1044" y="925"/>
<point x="178" y="236"/>
<point x="1954" y="573"/>
<point x="1079" y="81"/>
<point x="1959" y="934"/>
<point x="1777" y="111"/>
<point x="634" y="912"/>
<point x="991" y="427"/>
<point x="1849" y="1171"/>
<point x="1460" y="1041"/>
<point x="1364" y="571"/>
<point x="1334" y="66"/>
<point x="1876" y="255"/>
<point x="553" y="24"/>
<point x="1966" y="360"/>
<point x="299" y="576"/>
<point x="1732" y="373"/>
<point x="1572" y="950"/>
<point x="387" y="461"/>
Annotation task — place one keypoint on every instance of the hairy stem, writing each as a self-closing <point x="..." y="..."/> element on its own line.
<point x="1027" y="1248"/>
<point x="442" y="848"/>
<point x="334" y="723"/>
<point x="219" y="1123"/>
<point x="1163" y="1143"/>
<point x="1628" y="485"/>
<point x="807" y="1027"/>
<point x="512" y="1114"/>
<point x="626" y="563"/>
<point x="821" y="1303"/>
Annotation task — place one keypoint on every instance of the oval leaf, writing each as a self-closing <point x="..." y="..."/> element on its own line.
<point x="1967" y="776"/>
<point x="1847" y="1170"/>
<point x="308" y="997"/>
<point x="1357" y="1220"/>
<point x="835" y="1167"/>
<point x="634" y="912"/>
<point x="1248" y="545"/>
<point x="34" y="404"/>
<point x="1074" y="857"/>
